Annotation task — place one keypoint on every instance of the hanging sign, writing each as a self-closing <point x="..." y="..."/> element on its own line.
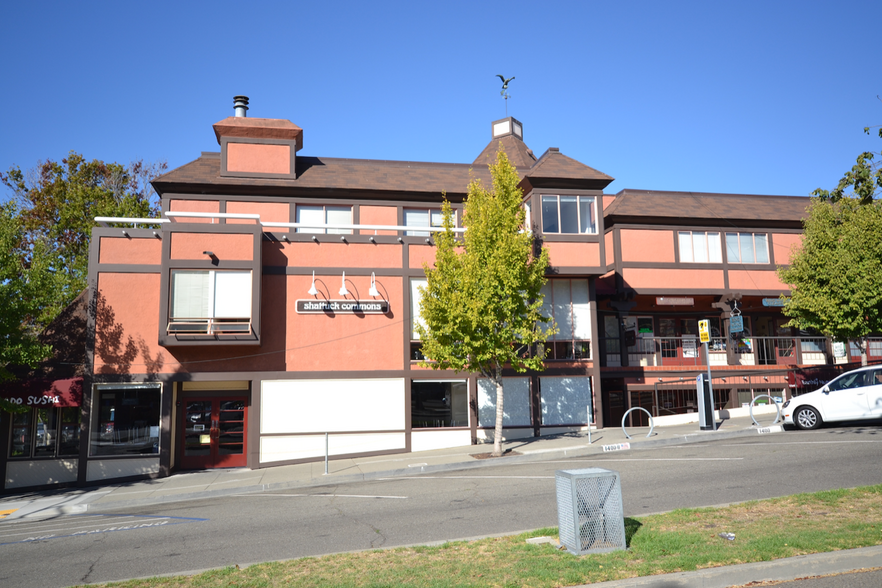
<point x="342" y="306"/>
<point x="774" y="302"/>
<point x="736" y="324"/>
<point x="674" y="301"/>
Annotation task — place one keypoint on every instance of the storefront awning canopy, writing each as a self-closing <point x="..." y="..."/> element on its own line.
<point x="44" y="392"/>
<point x="811" y="378"/>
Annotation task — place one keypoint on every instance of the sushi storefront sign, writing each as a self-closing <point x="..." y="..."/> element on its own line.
<point x="44" y="393"/>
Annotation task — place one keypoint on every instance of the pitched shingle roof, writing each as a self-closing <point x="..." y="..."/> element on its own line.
<point x="657" y="207"/>
<point x="317" y="175"/>
<point x="517" y="151"/>
<point x="555" y="168"/>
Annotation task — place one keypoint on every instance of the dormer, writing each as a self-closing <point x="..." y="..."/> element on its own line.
<point x="257" y="147"/>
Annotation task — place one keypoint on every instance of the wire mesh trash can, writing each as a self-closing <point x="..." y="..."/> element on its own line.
<point x="590" y="513"/>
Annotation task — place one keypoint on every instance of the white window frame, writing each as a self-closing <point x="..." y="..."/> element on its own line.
<point x="415" y="299"/>
<point x="225" y="307"/>
<point x="573" y="319"/>
<point x="434" y="218"/>
<point x="591" y="201"/>
<point x="326" y="211"/>
<point x="700" y="246"/>
<point x="736" y="255"/>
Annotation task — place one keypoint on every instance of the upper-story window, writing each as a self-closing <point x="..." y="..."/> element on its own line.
<point x="210" y="302"/>
<point x="422" y="217"/>
<point x="569" y="214"/>
<point x="567" y="302"/>
<point x="747" y="247"/>
<point x="324" y="215"/>
<point x="700" y="247"/>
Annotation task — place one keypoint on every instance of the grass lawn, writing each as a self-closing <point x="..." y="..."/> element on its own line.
<point x="677" y="541"/>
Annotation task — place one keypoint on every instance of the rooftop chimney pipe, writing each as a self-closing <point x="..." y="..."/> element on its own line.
<point x="240" y="105"/>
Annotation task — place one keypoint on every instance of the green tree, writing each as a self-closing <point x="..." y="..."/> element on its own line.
<point x="835" y="276"/>
<point x="45" y="231"/>
<point x="865" y="178"/>
<point x="481" y="307"/>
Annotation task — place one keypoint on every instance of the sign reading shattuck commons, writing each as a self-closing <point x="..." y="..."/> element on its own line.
<point x="342" y="306"/>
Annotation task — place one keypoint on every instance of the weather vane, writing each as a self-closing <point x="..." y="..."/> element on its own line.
<point x="504" y="92"/>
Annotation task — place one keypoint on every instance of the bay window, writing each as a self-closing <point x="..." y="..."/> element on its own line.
<point x="210" y="302"/>
<point x="569" y="214"/>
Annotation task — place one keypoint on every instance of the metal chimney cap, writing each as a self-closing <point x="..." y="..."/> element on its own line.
<point x="240" y="106"/>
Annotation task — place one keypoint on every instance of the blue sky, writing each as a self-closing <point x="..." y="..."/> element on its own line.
<point x="745" y="97"/>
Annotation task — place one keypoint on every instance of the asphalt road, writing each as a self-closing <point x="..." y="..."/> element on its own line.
<point x="498" y="499"/>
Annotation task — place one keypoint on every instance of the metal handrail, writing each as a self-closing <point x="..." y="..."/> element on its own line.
<point x="273" y="224"/>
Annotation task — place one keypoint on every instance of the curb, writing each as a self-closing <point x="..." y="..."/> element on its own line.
<point x="788" y="569"/>
<point x="525" y="457"/>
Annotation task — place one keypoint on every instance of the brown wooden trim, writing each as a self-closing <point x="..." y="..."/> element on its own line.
<point x="292" y="145"/>
<point x="120" y="268"/>
<point x="255" y="265"/>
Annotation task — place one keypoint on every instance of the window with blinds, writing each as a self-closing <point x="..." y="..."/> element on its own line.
<point x="210" y="302"/>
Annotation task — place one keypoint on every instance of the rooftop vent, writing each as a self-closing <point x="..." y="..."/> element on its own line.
<point x="240" y="106"/>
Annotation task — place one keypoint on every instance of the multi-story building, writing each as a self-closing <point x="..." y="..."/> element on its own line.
<point x="274" y="300"/>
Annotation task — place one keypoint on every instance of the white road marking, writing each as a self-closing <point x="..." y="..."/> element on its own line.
<point x="649" y="459"/>
<point x="472" y="478"/>
<point x="806" y="443"/>
<point x="114" y="523"/>
<point x="319" y="496"/>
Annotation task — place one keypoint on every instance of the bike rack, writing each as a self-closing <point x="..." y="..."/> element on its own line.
<point x="625" y="416"/>
<point x="777" y="407"/>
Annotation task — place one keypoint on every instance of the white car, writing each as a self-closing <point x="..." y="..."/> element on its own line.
<point x="853" y="396"/>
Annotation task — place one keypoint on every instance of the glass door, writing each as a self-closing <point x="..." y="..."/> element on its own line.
<point x="214" y="433"/>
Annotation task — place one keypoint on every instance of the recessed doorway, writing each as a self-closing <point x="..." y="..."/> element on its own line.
<point x="214" y="432"/>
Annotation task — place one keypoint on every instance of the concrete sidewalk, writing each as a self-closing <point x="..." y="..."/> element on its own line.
<point x="205" y="484"/>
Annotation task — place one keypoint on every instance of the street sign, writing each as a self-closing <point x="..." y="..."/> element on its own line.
<point x="704" y="331"/>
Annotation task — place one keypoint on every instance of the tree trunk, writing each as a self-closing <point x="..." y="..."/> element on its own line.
<point x="863" y="343"/>
<point x="497" y="432"/>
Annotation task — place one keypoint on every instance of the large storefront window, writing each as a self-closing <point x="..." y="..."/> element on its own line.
<point x="566" y="301"/>
<point x="566" y="400"/>
<point x="439" y="404"/>
<point x="45" y="432"/>
<point x="515" y="405"/>
<point x="126" y="420"/>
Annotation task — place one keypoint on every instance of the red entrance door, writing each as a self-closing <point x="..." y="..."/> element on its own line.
<point x="214" y="433"/>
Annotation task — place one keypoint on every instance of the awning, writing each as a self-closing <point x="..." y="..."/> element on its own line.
<point x="812" y="378"/>
<point x="44" y="392"/>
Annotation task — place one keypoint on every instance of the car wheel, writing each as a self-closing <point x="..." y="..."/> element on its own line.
<point x="807" y="418"/>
